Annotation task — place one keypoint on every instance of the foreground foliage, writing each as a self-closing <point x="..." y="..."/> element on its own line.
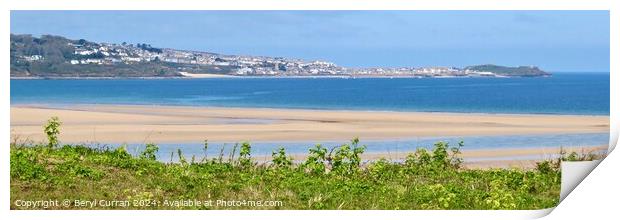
<point x="426" y="180"/>
<point x="333" y="178"/>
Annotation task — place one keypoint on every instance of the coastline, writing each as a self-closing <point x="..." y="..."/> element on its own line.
<point x="205" y="75"/>
<point x="219" y="76"/>
<point x="179" y="124"/>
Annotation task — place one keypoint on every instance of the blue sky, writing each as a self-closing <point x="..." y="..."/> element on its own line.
<point x="553" y="40"/>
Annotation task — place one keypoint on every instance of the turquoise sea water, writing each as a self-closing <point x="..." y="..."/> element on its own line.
<point x="581" y="94"/>
<point x="575" y="94"/>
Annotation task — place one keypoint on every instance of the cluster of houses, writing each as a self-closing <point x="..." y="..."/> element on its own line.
<point x="436" y="72"/>
<point x="105" y="54"/>
<point x="33" y="58"/>
<point x="102" y="54"/>
<point x="108" y="54"/>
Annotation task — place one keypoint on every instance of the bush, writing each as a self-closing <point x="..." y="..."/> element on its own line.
<point x="280" y="159"/>
<point x="316" y="161"/>
<point x="52" y="130"/>
<point x="346" y="158"/>
<point x="381" y="169"/>
<point x="245" y="157"/>
<point x="150" y="152"/>
<point x="547" y="167"/>
<point x="438" y="160"/>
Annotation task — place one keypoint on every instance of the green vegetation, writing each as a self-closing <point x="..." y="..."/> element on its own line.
<point x="57" y="52"/>
<point x="333" y="178"/>
<point x="52" y="130"/>
<point x="523" y="71"/>
<point x="583" y="156"/>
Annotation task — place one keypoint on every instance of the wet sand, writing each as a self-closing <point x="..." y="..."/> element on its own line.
<point x="170" y="124"/>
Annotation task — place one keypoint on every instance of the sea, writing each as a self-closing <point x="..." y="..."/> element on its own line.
<point x="560" y="94"/>
<point x="574" y="94"/>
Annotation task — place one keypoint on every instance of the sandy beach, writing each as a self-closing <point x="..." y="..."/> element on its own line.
<point x="170" y="124"/>
<point x="205" y="75"/>
<point x="161" y="124"/>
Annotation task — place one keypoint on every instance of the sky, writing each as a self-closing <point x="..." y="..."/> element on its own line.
<point x="553" y="40"/>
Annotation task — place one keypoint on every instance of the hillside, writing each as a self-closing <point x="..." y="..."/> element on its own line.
<point x="523" y="71"/>
<point x="51" y="56"/>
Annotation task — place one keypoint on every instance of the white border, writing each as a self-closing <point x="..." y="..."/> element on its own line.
<point x="299" y="5"/>
<point x="313" y="5"/>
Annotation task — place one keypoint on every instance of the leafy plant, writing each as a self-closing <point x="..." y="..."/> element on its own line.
<point x="280" y="159"/>
<point x="150" y="152"/>
<point x="245" y="158"/>
<point x="421" y="159"/>
<point x="547" y="166"/>
<point x="315" y="163"/>
<point x="346" y="158"/>
<point x="52" y="130"/>
<point x="439" y="160"/>
<point x="381" y="169"/>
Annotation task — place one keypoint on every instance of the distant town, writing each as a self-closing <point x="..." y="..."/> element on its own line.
<point x="55" y="56"/>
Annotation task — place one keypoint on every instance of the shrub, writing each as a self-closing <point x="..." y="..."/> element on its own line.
<point x="546" y="167"/>
<point x="418" y="161"/>
<point x="245" y="157"/>
<point x="121" y="153"/>
<point x="438" y="160"/>
<point x="280" y="159"/>
<point x="381" y="169"/>
<point x="441" y="158"/>
<point x="150" y="152"/>
<point x="315" y="163"/>
<point x="346" y="158"/>
<point x="52" y="130"/>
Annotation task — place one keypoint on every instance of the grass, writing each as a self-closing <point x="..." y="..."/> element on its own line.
<point x="328" y="179"/>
